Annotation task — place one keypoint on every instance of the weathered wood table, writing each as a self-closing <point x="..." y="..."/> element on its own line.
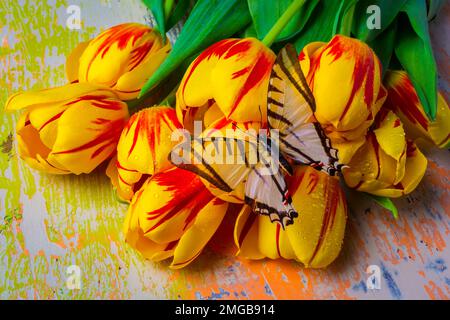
<point x="48" y="223"/>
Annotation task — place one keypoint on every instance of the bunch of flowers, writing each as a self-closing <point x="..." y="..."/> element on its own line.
<point x="373" y="116"/>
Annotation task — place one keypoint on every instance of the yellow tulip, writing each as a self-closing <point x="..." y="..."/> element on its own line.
<point x="234" y="75"/>
<point x="173" y="215"/>
<point x="315" y="238"/>
<point x="70" y="129"/>
<point x="143" y="149"/>
<point x="345" y="78"/>
<point x="387" y="164"/>
<point x="122" y="58"/>
<point x="403" y="100"/>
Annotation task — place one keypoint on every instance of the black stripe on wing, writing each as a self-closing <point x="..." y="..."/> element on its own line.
<point x="284" y="218"/>
<point x="209" y="175"/>
<point x="304" y="90"/>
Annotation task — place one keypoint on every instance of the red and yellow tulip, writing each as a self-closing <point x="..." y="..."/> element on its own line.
<point x="173" y="215"/>
<point x="232" y="74"/>
<point x="387" y="164"/>
<point x="345" y="78"/>
<point x="70" y="129"/>
<point x="143" y="149"/>
<point x="403" y="100"/>
<point x="121" y="58"/>
<point x="315" y="238"/>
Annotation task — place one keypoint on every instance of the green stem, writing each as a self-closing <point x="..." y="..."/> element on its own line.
<point x="168" y="6"/>
<point x="278" y="27"/>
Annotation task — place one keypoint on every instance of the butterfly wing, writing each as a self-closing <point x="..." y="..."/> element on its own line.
<point x="223" y="161"/>
<point x="290" y="106"/>
<point x="268" y="195"/>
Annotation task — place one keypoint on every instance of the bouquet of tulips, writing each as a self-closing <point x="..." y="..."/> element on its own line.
<point x="132" y="88"/>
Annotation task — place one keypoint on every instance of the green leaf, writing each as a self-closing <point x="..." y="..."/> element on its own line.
<point x="344" y="18"/>
<point x="433" y="8"/>
<point x="386" y="203"/>
<point x="388" y="12"/>
<point x="180" y="10"/>
<point x="209" y="22"/>
<point x="384" y="45"/>
<point x="249" y="32"/>
<point x="415" y="54"/>
<point x="266" y="13"/>
<point x="157" y="9"/>
<point x="320" y="25"/>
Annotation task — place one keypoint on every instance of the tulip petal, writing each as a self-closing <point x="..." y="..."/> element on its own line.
<point x="192" y="90"/>
<point x="51" y="96"/>
<point x="169" y="203"/>
<point x="244" y="71"/>
<point x="390" y="135"/>
<point x="242" y="66"/>
<point x="130" y="83"/>
<point x="246" y="234"/>
<point x="144" y="147"/>
<point x="108" y="56"/>
<point x="136" y="239"/>
<point x="84" y="142"/>
<point x="307" y="53"/>
<point x="32" y="150"/>
<point x="199" y="233"/>
<point x="317" y="236"/>
<point x="403" y="100"/>
<point x="273" y="241"/>
<point x="347" y="150"/>
<point x="415" y="167"/>
<point x="145" y="144"/>
<point x="73" y="61"/>
<point x="355" y="67"/>
<point x="440" y="128"/>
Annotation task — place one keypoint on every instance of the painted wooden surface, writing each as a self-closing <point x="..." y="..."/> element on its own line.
<point x="48" y="223"/>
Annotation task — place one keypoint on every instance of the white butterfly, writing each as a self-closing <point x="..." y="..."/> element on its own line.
<point x="290" y="107"/>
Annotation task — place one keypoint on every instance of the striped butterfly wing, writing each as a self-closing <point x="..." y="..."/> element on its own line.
<point x="222" y="161"/>
<point x="290" y="105"/>
<point x="267" y="194"/>
<point x="227" y="162"/>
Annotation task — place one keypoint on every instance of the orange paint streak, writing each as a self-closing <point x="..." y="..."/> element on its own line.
<point x="435" y="292"/>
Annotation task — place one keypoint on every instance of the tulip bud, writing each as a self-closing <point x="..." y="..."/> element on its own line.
<point x="122" y="57"/>
<point x="70" y="129"/>
<point x="315" y="238"/>
<point x="403" y="100"/>
<point x="173" y="214"/>
<point x="387" y="164"/>
<point x="143" y="149"/>
<point x="345" y="78"/>
<point x="232" y="73"/>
